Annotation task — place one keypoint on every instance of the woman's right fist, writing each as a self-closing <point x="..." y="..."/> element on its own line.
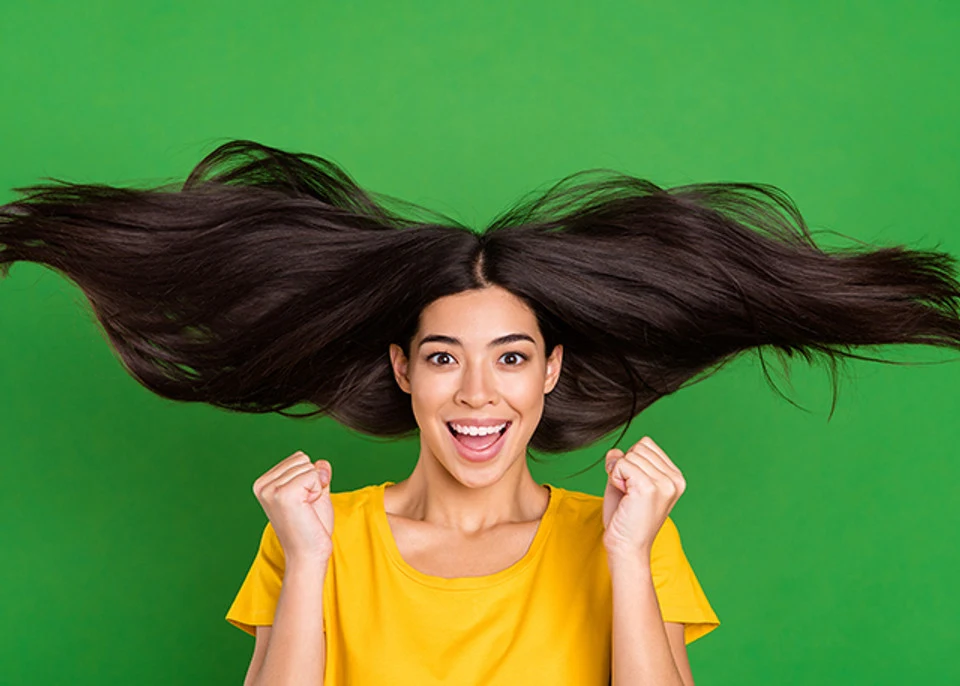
<point x="295" y="494"/>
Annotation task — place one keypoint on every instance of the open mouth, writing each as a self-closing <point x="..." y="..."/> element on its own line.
<point x="479" y="446"/>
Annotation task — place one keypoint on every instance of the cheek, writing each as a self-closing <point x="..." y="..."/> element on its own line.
<point x="428" y="398"/>
<point x="526" y="395"/>
<point x="431" y="396"/>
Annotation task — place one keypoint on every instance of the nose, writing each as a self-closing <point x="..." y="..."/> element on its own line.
<point x="477" y="386"/>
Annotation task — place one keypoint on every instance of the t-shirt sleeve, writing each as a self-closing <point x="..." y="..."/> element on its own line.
<point x="256" y="601"/>
<point x="681" y="598"/>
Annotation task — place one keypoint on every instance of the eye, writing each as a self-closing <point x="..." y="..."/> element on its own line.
<point x="511" y="359"/>
<point x="439" y="355"/>
<point x="518" y="357"/>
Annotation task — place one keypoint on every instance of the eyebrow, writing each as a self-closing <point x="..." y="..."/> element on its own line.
<point x="503" y="340"/>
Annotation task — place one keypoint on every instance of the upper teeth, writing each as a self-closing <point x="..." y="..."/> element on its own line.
<point x="478" y="430"/>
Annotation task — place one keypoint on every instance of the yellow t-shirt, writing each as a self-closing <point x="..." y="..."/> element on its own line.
<point x="547" y="619"/>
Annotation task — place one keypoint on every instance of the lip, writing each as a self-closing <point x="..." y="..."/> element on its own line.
<point x="486" y="454"/>
<point x="477" y="422"/>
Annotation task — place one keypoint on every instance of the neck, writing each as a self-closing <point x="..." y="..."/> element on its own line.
<point x="433" y="495"/>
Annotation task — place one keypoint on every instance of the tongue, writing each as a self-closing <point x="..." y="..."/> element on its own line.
<point x="478" y="442"/>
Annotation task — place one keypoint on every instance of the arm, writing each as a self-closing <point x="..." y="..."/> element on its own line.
<point x="642" y="487"/>
<point x="646" y="650"/>
<point x="678" y="646"/>
<point x="293" y="651"/>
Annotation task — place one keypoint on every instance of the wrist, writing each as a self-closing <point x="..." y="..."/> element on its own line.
<point x="306" y="565"/>
<point x="633" y="558"/>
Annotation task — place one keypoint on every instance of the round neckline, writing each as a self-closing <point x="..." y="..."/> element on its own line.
<point x="461" y="582"/>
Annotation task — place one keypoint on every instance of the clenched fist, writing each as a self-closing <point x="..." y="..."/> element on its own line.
<point x="643" y="485"/>
<point x="295" y="494"/>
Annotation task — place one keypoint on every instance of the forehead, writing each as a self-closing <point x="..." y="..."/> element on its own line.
<point x="480" y="314"/>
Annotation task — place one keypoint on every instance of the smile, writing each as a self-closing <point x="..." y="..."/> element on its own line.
<point x="476" y="443"/>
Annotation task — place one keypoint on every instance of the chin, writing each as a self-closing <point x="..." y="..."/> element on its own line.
<point x="477" y="480"/>
<point x="481" y="475"/>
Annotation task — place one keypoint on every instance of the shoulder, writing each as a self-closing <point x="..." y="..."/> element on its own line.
<point x="574" y="510"/>
<point x="587" y="509"/>
<point x="576" y="499"/>
<point x="350" y="501"/>
<point x="348" y="506"/>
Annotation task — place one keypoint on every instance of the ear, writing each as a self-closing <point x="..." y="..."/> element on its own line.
<point x="554" y="363"/>
<point x="400" y="364"/>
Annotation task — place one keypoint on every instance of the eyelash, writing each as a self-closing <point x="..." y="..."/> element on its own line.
<point x="522" y="357"/>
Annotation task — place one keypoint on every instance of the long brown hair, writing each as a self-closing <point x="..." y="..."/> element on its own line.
<point x="270" y="279"/>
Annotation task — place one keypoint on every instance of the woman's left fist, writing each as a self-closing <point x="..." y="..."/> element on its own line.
<point x="643" y="485"/>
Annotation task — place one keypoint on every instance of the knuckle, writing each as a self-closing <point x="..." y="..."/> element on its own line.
<point x="647" y="486"/>
<point x="272" y="492"/>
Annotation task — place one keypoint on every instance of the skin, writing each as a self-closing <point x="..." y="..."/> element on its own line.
<point x="452" y="517"/>
<point x="448" y="500"/>
<point x="474" y="379"/>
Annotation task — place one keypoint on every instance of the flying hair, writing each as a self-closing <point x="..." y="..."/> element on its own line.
<point x="270" y="279"/>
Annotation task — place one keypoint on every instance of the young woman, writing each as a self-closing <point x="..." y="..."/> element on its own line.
<point x="271" y="279"/>
<point x="468" y="571"/>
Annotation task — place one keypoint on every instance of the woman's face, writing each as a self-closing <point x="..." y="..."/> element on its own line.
<point x="477" y="366"/>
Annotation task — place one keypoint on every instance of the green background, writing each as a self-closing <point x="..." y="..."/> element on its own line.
<point x="828" y="549"/>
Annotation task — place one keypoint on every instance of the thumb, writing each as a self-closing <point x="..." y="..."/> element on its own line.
<point x="613" y="455"/>
<point x="325" y="471"/>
